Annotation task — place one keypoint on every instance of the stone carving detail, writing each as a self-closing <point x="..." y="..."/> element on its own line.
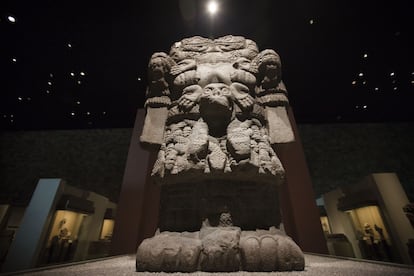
<point x="215" y="108"/>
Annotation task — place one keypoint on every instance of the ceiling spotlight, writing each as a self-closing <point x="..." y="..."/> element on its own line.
<point x="82" y="73"/>
<point x="365" y="55"/>
<point x="311" y="21"/>
<point x="365" y="107"/>
<point x="78" y="102"/>
<point x="49" y="83"/>
<point x="79" y="82"/>
<point x="376" y="88"/>
<point x="72" y="113"/>
<point x="11" y="19"/>
<point x="88" y="113"/>
<point x="139" y="79"/>
<point x="361" y="74"/>
<point x="353" y="82"/>
<point x="212" y="7"/>
<point x="392" y="74"/>
<point x="47" y="91"/>
<point x="51" y="75"/>
<point x="14" y="60"/>
<point x="395" y="88"/>
<point x="69" y="45"/>
<point x="72" y="74"/>
<point x="20" y="98"/>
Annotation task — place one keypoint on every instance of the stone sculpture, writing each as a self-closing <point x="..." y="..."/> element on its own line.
<point x="215" y="109"/>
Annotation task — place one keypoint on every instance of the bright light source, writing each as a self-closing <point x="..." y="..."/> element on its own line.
<point x="88" y="113"/>
<point x="361" y="74"/>
<point x="69" y="45"/>
<point x="78" y="102"/>
<point x="72" y="74"/>
<point x="51" y="75"/>
<point x="365" y="55"/>
<point x="376" y="88"/>
<point x="395" y="88"/>
<point x="72" y="113"/>
<point x="353" y="82"/>
<point x="82" y="73"/>
<point x="311" y="21"/>
<point x="19" y="98"/>
<point x="139" y="79"/>
<point x="47" y="91"/>
<point x="392" y="74"/>
<point x="50" y="83"/>
<point x="11" y="19"/>
<point x="365" y="107"/>
<point x="79" y="82"/>
<point x="212" y="7"/>
<point x="14" y="59"/>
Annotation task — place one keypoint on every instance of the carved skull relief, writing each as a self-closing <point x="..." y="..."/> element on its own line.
<point x="217" y="97"/>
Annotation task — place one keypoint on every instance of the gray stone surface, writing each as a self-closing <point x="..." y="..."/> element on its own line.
<point x="219" y="249"/>
<point x="215" y="109"/>
<point x="215" y="106"/>
<point x="315" y="266"/>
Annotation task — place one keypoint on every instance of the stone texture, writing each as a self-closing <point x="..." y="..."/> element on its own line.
<point x="168" y="252"/>
<point x="219" y="249"/>
<point x="215" y="110"/>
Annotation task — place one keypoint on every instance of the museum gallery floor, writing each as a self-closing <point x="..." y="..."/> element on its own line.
<point x="314" y="265"/>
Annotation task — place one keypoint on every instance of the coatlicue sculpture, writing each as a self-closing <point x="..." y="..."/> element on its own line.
<point x="215" y="108"/>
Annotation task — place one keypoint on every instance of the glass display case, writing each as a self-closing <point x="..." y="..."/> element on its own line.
<point x="62" y="240"/>
<point x="372" y="234"/>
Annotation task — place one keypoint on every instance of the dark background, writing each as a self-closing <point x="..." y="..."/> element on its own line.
<point x="348" y="66"/>
<point x="322" y="44"/>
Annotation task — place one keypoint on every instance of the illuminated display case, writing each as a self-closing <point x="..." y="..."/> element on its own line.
<point x="63" y="237"/>
<point x="370" y="215"/>
<point x="372" y="235"/>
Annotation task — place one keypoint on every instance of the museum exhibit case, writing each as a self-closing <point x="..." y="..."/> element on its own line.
<point x="370" y="215"/>
<point x="60" y="224"/>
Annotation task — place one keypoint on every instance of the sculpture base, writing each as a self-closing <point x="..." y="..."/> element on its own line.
<point x="219" y="249"/>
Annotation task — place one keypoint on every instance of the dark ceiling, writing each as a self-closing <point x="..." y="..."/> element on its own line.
<point x="82" y="64"/>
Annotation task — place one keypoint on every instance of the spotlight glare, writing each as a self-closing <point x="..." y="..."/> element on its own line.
<point x="212" y="7"/>
<point x="11" y="19"/>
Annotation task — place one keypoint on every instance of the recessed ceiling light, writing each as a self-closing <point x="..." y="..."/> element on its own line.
<point x="11" y="19"/>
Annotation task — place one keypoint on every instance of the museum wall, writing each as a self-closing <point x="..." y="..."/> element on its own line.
<point x="94" y="160"/>
<point x="342" y="154"/>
